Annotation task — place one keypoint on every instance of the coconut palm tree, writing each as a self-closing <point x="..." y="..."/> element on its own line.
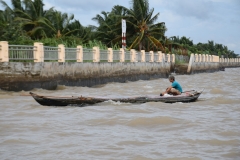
<point x="3" y="21"/>
<point x="59" y="23"/>
<point x="77" y="30"/>
<point x="30" y="15"/>
<point x="109" y="30"/>
<point x="143" y="31"/>
<point x="32" y="18"/>
<point x="9" y="29"/>
<point x="7" y="15"/>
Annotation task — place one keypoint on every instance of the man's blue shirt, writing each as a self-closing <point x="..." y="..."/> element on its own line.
<point x="177" y="86"/>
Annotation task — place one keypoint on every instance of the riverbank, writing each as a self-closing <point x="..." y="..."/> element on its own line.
<point x="17" y="76"/>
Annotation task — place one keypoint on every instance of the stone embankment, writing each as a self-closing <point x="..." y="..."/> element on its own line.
<point x="17" y="76"/>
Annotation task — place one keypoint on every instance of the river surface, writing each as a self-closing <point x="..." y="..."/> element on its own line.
<point x="202" y="130"/>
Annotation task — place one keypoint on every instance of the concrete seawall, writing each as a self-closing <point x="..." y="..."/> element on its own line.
<point x="203" y="63"/>
<point x="206" y="67"/>
<point x="17" y="76"/>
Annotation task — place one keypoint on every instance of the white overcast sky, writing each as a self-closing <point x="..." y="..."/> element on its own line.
<point x="199" y="20"/>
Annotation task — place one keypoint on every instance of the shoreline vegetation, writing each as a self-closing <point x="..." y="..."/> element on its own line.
<point x="26" y="22"/>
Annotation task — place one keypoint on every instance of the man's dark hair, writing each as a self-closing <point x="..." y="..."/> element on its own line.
<point x="171" y="77"/>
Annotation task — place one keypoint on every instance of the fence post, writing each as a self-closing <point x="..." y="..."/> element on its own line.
<point x="122" y="55"/>
<point x="203" y="58"/>
<point x="192" y="58"/>
<point x="196" y="58"/>
<point x="4" y="56"/>
<point x="163" y="57"/>
<point x="173" y="58"/>
<point x="221" y="60"/>
<point x="79" y="54"/>
<point x="151" y="56"/>
<point x="215" y="58"/>
<point x="133" y="55"/>
<point x="169" y="58"/>
<point x="38" y="53"/>
<point x="110" y="55"/>
<point x="200" y="58"/>
<point x="61" y="53"/>
<point x="210" y="58"/>
<point x="159" y="56"/>
<point x="96" y="54"/>
<point x="142" y="55"/>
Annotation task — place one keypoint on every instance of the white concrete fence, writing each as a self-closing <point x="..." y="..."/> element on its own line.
<point x="40" y="53"/>
<point x="200" y="62"/>
<point x="213" y="58"/>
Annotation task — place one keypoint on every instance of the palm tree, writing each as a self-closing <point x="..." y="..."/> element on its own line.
<point x="144" y="32"/>
<point x="30" y="15"/>
<point x="33" y="18"/>
<point x="7" y="15"/>
<point x="109" y="30"/>
<point x="59" y="23"/>
<point x="77" y="30"/>
<point x="211" y="46"/>
<point x="9" y="29"/>
<point x="172" y="43"/>
<point x="3" y="21"/>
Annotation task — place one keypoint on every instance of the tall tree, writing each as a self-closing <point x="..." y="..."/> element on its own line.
<point x="172" y="43"/>
<point x="10" y="30"/>
<point x="145" y="33"/>
<point x="32" y="18"/>
<point x="109" y="30"/>
<point x="59" y="23"/>
<point x="7" y="15"/>
<point x="29" y="14"/>
<point x="77" y="30"/>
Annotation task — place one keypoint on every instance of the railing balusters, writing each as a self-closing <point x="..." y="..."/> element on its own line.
<point x="50" y="53"/>
<point x="70" y="54"/>
<point x="103" y="55"/>
<point x="21" y="52"/>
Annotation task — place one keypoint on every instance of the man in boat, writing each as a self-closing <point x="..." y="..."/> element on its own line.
<point x="174" y="89"/>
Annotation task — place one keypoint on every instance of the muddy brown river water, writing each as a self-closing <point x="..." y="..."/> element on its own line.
<point x="206" y="129"/>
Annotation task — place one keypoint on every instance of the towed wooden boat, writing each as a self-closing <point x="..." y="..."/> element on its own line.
<point x="189" y="96"/>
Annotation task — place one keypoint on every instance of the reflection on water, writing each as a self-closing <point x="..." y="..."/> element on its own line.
<point x="206" y="129"/>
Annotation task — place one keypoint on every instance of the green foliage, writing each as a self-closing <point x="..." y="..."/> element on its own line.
<point x="204" y="48"/>
<point x="70" y="41"/>
<point x="95" y="43"/>
<point x="179" y="62"/>
<point x="27" y="22"/>
<point x="14" y="34"/>
<point x="144" y="32"/>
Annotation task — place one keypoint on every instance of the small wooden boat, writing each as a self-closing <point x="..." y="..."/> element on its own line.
<point x="188" y="96"/>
